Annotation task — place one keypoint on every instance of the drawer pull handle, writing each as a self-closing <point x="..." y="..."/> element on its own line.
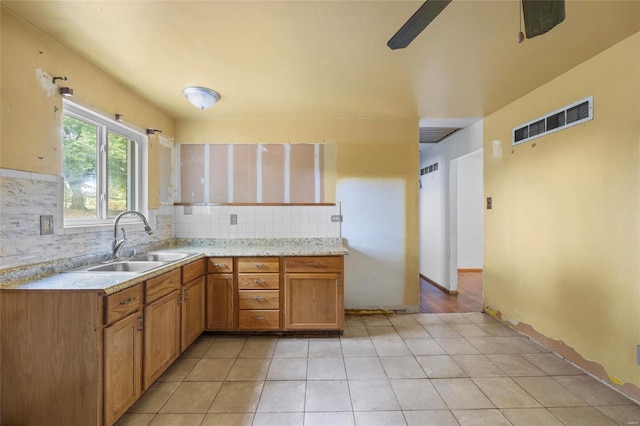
<point x="260" y="281"/>
<point x="314" y="264"/>
<point x="259" y="265"/>
<point x="220" y="265"/>
<point x="258" y="318"/>
<point x="127" y="301"/>
<point x="259" y="298"/>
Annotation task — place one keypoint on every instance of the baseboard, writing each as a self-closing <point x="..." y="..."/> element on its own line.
<point x="439" y="287"/>
<point x="470" y="270"/>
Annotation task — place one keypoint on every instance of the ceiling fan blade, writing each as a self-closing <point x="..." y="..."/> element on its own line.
<point x="541" y="16"/>
<point x="418" y="22"/>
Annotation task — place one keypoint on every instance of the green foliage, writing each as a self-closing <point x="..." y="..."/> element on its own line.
<point x="79" y="160"/>
<point x="81" y="169"/>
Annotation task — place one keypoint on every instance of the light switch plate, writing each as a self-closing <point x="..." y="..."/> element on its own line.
<point x="46" y="224"/>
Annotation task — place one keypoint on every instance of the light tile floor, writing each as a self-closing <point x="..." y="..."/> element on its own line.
<point x="420" y="369"/>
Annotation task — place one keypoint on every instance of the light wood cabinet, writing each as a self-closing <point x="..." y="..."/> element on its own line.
<point x="122" y="366"/>
<point x="162" y="315"/>
<point x="314" y="293"/>
<point x="193" y="301"/>
<point x="193" y="311"/>
<point x="161" y="336"/>
<point x="122" y="351"/>
<point x="259" y="293"/>
<point x="220" y="301"/>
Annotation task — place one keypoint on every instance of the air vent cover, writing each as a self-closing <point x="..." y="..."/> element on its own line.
<point x="571" y="115"/>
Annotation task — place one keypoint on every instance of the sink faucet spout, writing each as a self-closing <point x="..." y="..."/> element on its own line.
<point x="116" y="244"/>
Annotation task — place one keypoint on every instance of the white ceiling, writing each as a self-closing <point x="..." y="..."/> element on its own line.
<point x="327" y="59"/>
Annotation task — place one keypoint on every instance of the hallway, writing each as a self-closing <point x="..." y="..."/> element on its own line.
<point x="469" y="298"/>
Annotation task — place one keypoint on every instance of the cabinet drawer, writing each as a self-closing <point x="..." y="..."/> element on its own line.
<point x="219" y="265"/>
<point x="259" y="320"/>
<point x="161" y="285"/>
<point x="192" y="271"/>
<point x="258" y="299"/>
<point x="259" y="264"/>
<point x="258" y="281"/>
<point x="119" y="305"/>
<point x="314" y="264"/>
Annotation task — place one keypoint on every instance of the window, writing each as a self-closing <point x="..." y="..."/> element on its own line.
<point x="102" y="167"/>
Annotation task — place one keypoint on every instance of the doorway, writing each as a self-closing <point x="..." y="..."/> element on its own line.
<point x="463" y="208"/>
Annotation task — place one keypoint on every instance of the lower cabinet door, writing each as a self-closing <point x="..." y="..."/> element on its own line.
<point x="161" y="336"/>
<point x="122" y="366"/>
<point x="220" y="306"/>
<point x="314" y="302"/>
<point x="192" y="311"/>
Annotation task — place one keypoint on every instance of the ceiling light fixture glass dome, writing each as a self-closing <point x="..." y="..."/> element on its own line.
<point x="201" y="97"/>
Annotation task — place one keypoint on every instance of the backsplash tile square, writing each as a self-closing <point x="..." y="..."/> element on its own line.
<point x="257" y="222"/>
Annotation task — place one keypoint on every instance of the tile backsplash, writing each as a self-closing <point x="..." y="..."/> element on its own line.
<point x="309" y="221"/>
<point x="25" y="196"/>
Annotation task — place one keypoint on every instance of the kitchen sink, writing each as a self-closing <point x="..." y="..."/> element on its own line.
<point x="127" y="266"/>
<point x="159" y="257"/>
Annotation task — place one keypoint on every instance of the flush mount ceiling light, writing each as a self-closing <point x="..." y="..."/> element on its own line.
<point x="201" y="97"/>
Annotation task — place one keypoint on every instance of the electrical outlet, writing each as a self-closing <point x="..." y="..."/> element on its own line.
<point x="489" y="203"/>
<point x="336" y="218"/>
<point x="234" y="219"/>
<point x="46" y="224"/>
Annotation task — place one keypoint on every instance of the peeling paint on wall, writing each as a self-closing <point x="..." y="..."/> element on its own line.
<point x="569" y="354"/>
<point x="46" y="81"/>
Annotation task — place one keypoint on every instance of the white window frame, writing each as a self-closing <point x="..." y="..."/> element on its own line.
<point x="106" y="126"/>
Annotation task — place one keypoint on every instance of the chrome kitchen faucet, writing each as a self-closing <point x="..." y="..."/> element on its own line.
<point x="117" y="245"/>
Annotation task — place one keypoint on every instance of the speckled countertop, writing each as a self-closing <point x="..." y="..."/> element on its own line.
<point x="111" y="282"/>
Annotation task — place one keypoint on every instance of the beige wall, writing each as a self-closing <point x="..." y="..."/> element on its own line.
<point x="562" y="242"/>
<point x="31" y="115"/>
<point x="364" y="149"/>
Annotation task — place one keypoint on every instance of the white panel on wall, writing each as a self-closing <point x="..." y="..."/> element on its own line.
<point x="374" y="227"/>
<point x="470" y="213"/>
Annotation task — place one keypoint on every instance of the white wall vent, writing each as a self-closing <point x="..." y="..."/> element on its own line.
<point x="571" y="115"/>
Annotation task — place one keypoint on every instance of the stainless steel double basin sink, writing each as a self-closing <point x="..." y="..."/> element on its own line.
<point x="137" y="264"/>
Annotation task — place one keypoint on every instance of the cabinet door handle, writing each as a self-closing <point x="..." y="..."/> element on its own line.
<point x="127" y="301"/>
<point x="258" y="318"/>
<point x="140" y="324"/>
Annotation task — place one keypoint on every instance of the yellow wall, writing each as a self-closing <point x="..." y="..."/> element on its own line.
<point x="31" y="117"/>
<point x="363" y="149"/>
<point x="562" y="242"/>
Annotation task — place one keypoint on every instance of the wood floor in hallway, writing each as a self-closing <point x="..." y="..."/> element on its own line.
<point x="468" y="299"/>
